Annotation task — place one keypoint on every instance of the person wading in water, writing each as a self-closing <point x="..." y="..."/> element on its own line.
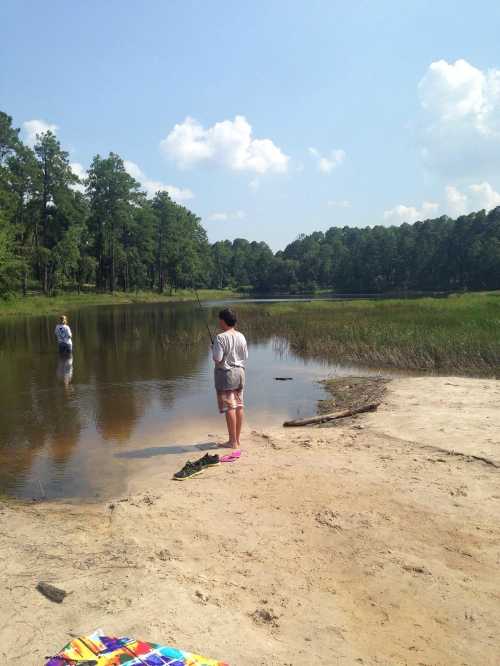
<point x="63" y="336"/>
<point x="229" y="351"/>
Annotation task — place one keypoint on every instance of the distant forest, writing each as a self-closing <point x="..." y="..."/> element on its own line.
<point x="60" y="233"/>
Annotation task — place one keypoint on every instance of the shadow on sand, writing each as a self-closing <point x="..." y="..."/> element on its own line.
<point x="153" y="451"/>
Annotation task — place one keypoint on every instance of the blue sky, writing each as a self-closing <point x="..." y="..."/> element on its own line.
<point x="269" y="118"/>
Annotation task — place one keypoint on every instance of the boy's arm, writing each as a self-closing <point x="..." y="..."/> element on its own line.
<point x="217" y="351"/>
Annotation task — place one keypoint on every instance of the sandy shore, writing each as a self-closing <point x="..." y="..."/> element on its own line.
<point x="373" y="542"/>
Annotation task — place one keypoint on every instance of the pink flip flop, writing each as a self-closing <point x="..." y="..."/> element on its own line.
<point x="230" y="457"/>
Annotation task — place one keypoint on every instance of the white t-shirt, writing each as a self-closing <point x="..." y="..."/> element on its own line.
<point x="63" y="335"/>
<point x="230" y="350"/>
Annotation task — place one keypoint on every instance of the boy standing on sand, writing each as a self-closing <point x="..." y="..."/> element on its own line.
<point x="229" y="351"/>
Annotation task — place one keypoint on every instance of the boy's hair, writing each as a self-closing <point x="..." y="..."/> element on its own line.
<point x="63" y="319"/>
<point x="228" y="316"/>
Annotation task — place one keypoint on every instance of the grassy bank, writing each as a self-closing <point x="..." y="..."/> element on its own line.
<point x="53" y="305"/>
<point x="460" y="333"/>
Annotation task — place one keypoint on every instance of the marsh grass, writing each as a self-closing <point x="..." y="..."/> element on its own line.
<point x="460" y="333"/>
<point x="50" y="305"/>
<point x="182" y="340"/>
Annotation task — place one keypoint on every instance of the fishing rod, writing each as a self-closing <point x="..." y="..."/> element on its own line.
<point x="204" y="316"/>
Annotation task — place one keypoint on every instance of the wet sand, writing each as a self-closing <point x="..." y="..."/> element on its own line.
<point x="376" y="541"/>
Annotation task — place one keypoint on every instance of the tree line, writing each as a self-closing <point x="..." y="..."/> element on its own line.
<point x="57" y="232"/>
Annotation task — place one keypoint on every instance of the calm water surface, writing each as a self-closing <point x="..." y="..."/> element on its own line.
<point x="137" y="391"/>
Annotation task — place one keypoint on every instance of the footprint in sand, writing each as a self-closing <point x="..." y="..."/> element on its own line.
<point x="329" y="518"/>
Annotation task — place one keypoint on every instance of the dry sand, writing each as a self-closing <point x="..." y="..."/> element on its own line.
<point x="373" y="542"/>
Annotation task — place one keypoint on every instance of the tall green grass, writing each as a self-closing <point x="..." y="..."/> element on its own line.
<point x="49" y="305"/>
<point x="460" y="333"/>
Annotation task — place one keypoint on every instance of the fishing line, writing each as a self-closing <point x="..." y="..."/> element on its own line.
<point x="204" y="316"/>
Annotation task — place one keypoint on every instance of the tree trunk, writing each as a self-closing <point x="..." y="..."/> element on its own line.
<point x="45" y="280"/>
<point x="159" y="272"/>
<point x="112" y="257"/>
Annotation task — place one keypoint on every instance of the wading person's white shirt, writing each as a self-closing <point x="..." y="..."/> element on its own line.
<point x="63" y="335"/>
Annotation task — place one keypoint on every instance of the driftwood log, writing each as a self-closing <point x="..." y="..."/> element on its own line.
<point x="322" y="418"/>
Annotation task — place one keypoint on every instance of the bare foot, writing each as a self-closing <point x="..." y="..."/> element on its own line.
<point x="229" y="445"/>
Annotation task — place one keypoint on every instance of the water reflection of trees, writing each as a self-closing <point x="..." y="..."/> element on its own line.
<point x="36" y="415"/>
<point x="124" y="359"/>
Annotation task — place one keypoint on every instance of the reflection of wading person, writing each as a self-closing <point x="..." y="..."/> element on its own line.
<point x="65" y="369"/>
<point x="63" y="336"/>
<point x="230" y="352"/>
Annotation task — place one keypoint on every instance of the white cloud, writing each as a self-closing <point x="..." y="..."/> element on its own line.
<point x="455" y="201"/>
<point x="134" y="170"/>
<point x="228" y="143"/>
<point x="33" y="127"/>
<point x="478" y="196"/>
<point x="461" y="92"/>
<point x="343" y="203"/>
<point x="327" y="164"/>
<point x="485" y="196"/>
<point x="410" y="214"/>
<point x="178" y="194"/>
<point x="222" y="217"/>
<point x="461" y="105"/>
<point x="81" y="172"/>
<point x="78" y="170"/>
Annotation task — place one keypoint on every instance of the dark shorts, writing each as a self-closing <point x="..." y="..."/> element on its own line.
<point x="229" y="385"/>
<point x="64" y="348"/>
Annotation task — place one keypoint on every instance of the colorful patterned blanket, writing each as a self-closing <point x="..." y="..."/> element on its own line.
<point x="99" y="650"/>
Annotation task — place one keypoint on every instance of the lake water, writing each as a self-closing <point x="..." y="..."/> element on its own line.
<point x="137" y="391"/>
